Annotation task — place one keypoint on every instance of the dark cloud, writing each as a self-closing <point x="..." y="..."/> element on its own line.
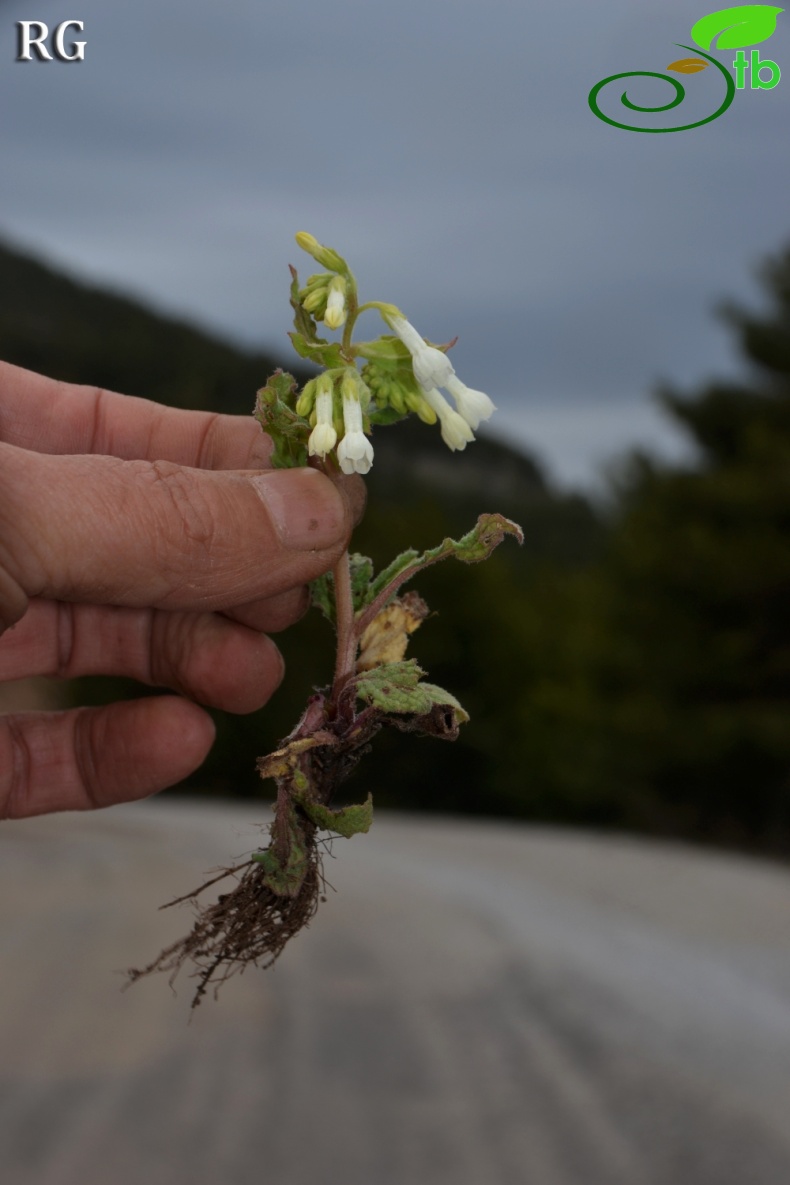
<point x="447" y="148"/>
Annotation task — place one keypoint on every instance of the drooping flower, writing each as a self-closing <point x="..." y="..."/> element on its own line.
<point x="323" y="437"/>
<point x="433" y="369"/>
<point x="456" y="432"/>
<point x="355" y="452"/>
<point x="474" y="406"/>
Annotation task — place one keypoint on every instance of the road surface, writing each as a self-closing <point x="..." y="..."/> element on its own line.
<point x="476" y="1004"/>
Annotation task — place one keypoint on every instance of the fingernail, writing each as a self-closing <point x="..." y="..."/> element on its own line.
<point x="306" y="510"/>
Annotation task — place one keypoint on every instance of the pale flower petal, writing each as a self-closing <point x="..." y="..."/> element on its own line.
<point x="355" y="452"/>
<point x="323" y="437"/>
<point x="456" y="432"/>
<point x="322" y="440"/>
<point x="335" y="314"/>
<point x="431" y="367"/>
<point x="474" y="406"/>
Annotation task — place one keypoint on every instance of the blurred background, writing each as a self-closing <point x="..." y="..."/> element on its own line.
<point x="629" y="667"/>
<point x="625" y="300"/>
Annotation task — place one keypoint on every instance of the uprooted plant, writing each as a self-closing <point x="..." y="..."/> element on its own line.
<point x="363" y="384"/>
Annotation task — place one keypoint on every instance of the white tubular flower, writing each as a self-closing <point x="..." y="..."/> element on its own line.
<point x="431" y="367"/>
<point x="323" y="437"/>
<point x="456" y="432"/>
<point x="335" y="314"/>
<point x="474" y="406"/>
<point x="355" y="452"/>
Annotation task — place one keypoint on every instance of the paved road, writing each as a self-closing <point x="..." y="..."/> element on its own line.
<point x="477" y="1005"/>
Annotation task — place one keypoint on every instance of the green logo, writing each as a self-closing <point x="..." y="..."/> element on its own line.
<point x="730" y="28"/>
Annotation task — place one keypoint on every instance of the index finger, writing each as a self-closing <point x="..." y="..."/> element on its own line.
<point x="48" y="416"/>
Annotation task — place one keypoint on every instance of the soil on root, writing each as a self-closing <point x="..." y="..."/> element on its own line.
<point x="248" y="926"/>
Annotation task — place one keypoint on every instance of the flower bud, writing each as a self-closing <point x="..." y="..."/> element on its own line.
<point x="426" y="413"/>
<point x="323" y="255"/>
<point x="318" y="280"/>
<point x="304" y="404"/>
<point x="335" y="314"/>
<point x="397" y="398"/>
<point x="315" y="301"/>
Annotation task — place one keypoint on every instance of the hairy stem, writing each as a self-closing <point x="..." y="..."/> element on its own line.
<point x="344" y="612"/>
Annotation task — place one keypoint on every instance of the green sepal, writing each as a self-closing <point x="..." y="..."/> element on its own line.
<point x="288" y="430"/>
<point x="348" y="821"/>
<point x="386" y="415"/>
<point x="327" y="354"/>
<point x="383" y="349"/>
<point x="396" y="687"/>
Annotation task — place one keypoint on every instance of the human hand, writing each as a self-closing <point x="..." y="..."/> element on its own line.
<point x="146" y="541"/>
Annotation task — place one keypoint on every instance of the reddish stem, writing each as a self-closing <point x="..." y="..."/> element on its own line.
<point x="344" y="617"/>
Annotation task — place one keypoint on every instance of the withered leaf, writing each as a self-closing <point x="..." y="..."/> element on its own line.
<point x="387" y="636"/>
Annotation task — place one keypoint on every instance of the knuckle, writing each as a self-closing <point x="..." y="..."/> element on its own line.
<point x="16" y="765"/>
<point x="13" y="600"/>
<point x="210" y="442"/>
<point x="184" y="499"/>
<point x="88" y="742"/>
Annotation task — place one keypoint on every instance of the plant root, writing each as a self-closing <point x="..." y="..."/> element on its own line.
<point x="249" y="926"/>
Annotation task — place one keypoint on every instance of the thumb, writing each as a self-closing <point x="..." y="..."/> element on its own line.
<point x="153" y="533"/>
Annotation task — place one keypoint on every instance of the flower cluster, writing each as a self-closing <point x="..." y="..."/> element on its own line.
<point x="433" y="369"/>
<point x="334" y="403"/>
<point x="324" y="297"/>
<point x="341" y="404"/>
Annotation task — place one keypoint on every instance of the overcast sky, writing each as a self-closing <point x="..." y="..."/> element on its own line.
<point x="447" y="149"/>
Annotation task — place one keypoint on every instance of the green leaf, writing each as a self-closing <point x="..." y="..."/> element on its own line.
<point x="361" y="576"/>
<point x="396" y="687"/>
<point x="476" y="545"/>
<point x="348" y="821"/>
<point x="746" y="24"/>
<point x="288" y="430"/>
<point x="322" y="589"/>
<point x="438" y="695"/>
<point x="321" y="351"/>
<point x="406" y="559"/>
<point x="322" y="595"/>
<point x="303" y="322"/>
